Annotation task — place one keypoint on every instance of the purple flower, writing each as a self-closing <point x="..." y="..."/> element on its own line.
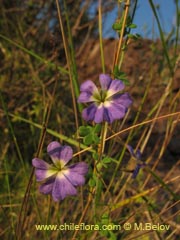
<point x="137" y="169"/>
<point x="107" y="103"/>
<point x="137" y="155"/>
<point x="59" y="179"/>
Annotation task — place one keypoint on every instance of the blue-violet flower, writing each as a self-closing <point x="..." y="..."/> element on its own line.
<point x="107" y="103"/>
<point x="59" y="179"/>
<point x="138" y="156"/>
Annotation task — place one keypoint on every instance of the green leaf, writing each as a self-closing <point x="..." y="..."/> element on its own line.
<point x="97" y="128"/>
<point x="88" y="139"/>
<point x="96" y="139"/>
<point x="138" y="36"/>
<point x="99" y="166"/>
<point x="105" y="218"/>
<point x="107" y="160"/>
<point x="117" y="26"/>
<point x="104" y="233"/>
<point x="98" y="191"/>
<point x="116" y="70"/>
<point x="95" y="156"/>
<point x="92" y="182"/>
<point x="131" y="35"/>
<point x="120" y="75"/>
<point x="128" y="21"/>
<point x="125" y="81"/>
<point x="132" y="25"/>
<point x="112" y="236"/>
<point x="134" y="36"/>
<point x="84" y="130"/>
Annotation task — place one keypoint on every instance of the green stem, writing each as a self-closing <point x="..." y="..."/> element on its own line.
<point x="12" y="132"/>
<point x="100" y="36"/>
<point x="102" y="143"/>
<point x="33" y="54"/>
<point x="98" y="165"/>
<point x="162" y="37"/>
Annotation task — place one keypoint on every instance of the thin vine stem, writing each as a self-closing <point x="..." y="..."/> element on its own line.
<point x="116" y="59"/>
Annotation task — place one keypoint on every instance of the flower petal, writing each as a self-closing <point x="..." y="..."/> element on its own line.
<point x="115" y="111"/>
<point x="123" y="99"/>
<point x="66" y="155"/>
<point x="105" y="81"/>
<point x="42" y="174"/>
<point x="46" y="188"/>
<point x="88" y="86"/>
<point x="89" y="112"/>
<point x="76" y="179"/>
<point x="85" y="97"/>
<point x="54" y="150"/>
<point x="115" y="87"/>
<point x="107" y="116"/>
<point x="43" y="170"/>
<point x="136" y="170"/>
<point x="99" y="115"/>
<point x="39" y="163"/>
<point x="131" y="150"/>
<point x="62" y="187"/>
<point x="77" y="172"/>
<point x="79" y="168"/>
<point x="138" y="154"/>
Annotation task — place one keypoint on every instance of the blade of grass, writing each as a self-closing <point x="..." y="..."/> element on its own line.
<point x="100" y="35"/>
<point x="12" y="132"/>
<point x="9" y="196"/>
<point x="137" y="196"/>
<point x="33" y="54"/>
<point x="53" y="133"/>
<point x="177" y="26"/>
<point x="116" y="59"/>
<point x="73" y="65"/>
<point x="69" y="63"/>
<point x="164" y="185"/>
<point x="162" y="37"/>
